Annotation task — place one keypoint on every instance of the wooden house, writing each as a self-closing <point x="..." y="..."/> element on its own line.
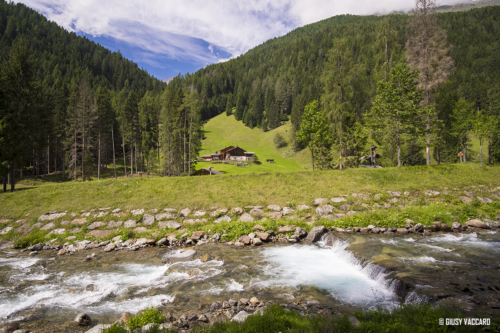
<point x="231" y="153"/>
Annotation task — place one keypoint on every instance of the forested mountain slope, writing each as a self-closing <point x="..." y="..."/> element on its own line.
<point x="56" y="50"/>
<point x="275" y="80"/>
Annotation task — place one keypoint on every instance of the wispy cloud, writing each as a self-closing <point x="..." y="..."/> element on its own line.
<point x="201" y="31"/>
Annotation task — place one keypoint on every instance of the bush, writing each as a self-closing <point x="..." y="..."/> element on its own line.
<point x="148" y="316"/>
<point x="279" y="141"/>
<point x="35" y="238"/>
<point x="115" y="328"/>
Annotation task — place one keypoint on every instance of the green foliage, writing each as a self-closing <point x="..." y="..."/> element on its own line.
<point x="413" y="154"/>
<point x="314" y="131"/>
<point x="279" y="141"/>
<point x="115" y="328"/>
<point x="147" y="316"/>
<point x="33" y="238"/>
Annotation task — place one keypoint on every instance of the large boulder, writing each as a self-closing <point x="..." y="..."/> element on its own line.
<point x="148" y="219"/>
<point x="320" y="201"/>
<point x="324" y="210"/>
<point x="263" y="236"/>
<point x="169" y="225"/>
<point x="276" y="208"/>
<point x="223" y="218"/>
<point x="246" y="218"/>
<point x="245" y="240"/>
<point x="114" y="224"/>
<point x="316" y="233"/>
<point x="402" y="231"/>
<point x="83" y="319"/>
<point x="275" y="215"/>
<point x="197" y="235"/>
<point x="163" y="216"/>
<point x="96" y="225"/>
<point x="477" y="224"/>
<point x="300" y="232"/>
<point x="176" y="256"/>
<point x="257" y="212"/>
<point x="130" y="224"/>
<point x="185" y="212"/>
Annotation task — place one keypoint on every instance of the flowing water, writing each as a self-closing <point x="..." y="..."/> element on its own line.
<point x="336" y="273"/>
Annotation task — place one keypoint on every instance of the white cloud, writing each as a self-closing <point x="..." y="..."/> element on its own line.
<point x="178" y="28"/>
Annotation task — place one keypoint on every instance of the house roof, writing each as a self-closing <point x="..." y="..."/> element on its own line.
<point x="206" y="156"/>
<point x="227" y="148"/>
<point x="249" y="153"/>
<point x="234" y="148"/>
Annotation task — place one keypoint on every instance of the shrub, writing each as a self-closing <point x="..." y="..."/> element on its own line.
<point x="35" y="238"/>
<point x="115" y="328"/>
<point x="148" y="316"/>
<point x="279" y="141"/>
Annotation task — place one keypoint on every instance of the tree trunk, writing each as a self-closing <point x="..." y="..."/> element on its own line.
<point x="428" y="139"/>
<point x="489" y="149"/>
<point x="113" y="142"/>
<point x="4" y="183"/>
<point x="131" y="159"/>
<point x="21" y="174"/>
<point x="55" y="157"/>
<point x="48" y="155"/>
<point x="399" y="144"/>
<point x="123" y="145"/>
<point x="189" y="145"/>
<point x="13" y="177"/>
<point x="99" y="158"/>
<point x="135" y="157"/>
<point x="481" y="151"/>
<point x="147" y="165"/>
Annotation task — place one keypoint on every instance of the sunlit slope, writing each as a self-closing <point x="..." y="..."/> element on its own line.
<point x="222" y="131"/>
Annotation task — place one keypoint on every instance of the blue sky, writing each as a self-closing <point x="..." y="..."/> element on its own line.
<point x="168" y="37"/>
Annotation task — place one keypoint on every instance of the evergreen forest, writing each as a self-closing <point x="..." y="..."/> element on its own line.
<point x="70" y="105"/>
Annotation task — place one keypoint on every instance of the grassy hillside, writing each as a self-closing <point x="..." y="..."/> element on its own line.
<point x="290" y="188"/>
<point x="222" y="131"/>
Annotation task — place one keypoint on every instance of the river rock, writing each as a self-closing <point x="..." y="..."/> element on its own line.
<point x="148" y="219"/>
<point x="245" y="240"/>
<point x="80" y="221"/>
<point x="144" y="241"/>
<point x="319" y="201"/>
<point x="115" y="224"/>
<point x="361" y="196"/>
<point x="402" y="231"/>
<point x="185" y="212"/>
<point x="100" y="233"/>
<point x="254" y="301"/>
<point x="477" y="224"/>
<point x="50" y="216"/>
<point x="259" y="227"/>
<point x="257" y="212"/>
<point x="246" y="218"/>
<point x="163" y="216"/>
<point x="223" y="218"/>
<point x="169" y="225"/>
<point x="203" y="318"/>
<point x="83" y="319"/>
<point x="241" y="316"/>
<point x="58" y="231"/>
<point x="110" y="247"/>
<point x="485" y="200"/>
<point x="316" y="233"/>
<point x="338" y="199"/>
<point x="48" y="226"/>
<point x="197" y="235"/>
<point x="237" y="210"/>
<point x="256" y="241"/>
<point x="9" y="327"/>
<point x="300" y="232"/>
<point x="98" y="328"/>
<point x="199" y="213"/>
<point x="457" y="226"/>
<point x="176" y="256"/>
<point x="136" y="212"/>
<point x="5" y="230"/>
<point x="285" y="229"/>
<point x="324" y="210"/>
<point x="96" y="225"/>
<point x="130" y="224"/>
<point x="238" y="244"/>
<point x="275" y="215"/>
<point x="418" y="227"/>
<point x="276" y="208"/>
<point x="263" y="236"/>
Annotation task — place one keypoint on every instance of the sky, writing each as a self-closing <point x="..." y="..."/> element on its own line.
<point x="168" y="37"/>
